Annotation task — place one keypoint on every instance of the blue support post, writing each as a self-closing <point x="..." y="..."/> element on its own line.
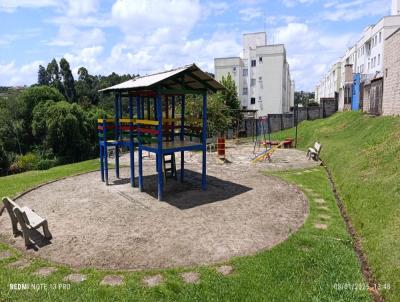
<point x="139" y="112"/>
<point x="117" y="133"/>
<point x="173" y="117"/>
<point x="105" y="150"/>
<point x="159" y="149"/>
<point x="204" y="163"/>
<point x="131" y="143"/>
<point x="182" y="136"/>
<point x="101" y="163"/>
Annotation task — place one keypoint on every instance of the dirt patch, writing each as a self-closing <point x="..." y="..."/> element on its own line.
<point x="118" y="227"/>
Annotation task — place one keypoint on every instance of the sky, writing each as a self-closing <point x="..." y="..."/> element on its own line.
<point x="145" y="36"/>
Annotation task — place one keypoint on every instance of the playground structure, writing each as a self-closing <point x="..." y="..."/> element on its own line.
<point x="152" y="124"/>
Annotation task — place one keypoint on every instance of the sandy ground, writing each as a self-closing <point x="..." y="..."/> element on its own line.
<point x="118" y="227"/>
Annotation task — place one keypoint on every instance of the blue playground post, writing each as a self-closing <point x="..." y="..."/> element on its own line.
<point x="131" y="143"/>
<point x="173" y="116"/>
<point x="105" y="149"/>
<point x="159" y="148"/>
<point x="117" y="136"/>
<point x="204" y="164"/>
<point x="182" y="137"/>
<point x="139" y="110"/>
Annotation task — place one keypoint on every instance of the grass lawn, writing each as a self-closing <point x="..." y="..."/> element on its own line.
<point x="363" y="154"/>
<point x="307" y="267"/>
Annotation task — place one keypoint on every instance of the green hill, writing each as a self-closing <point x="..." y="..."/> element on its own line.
<point x="363" y="154"/>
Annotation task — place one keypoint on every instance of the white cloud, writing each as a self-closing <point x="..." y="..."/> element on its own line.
<point x="12" y="5"/>
<point x="353" y="10"/>
<point x="11" y="75"/>
<point x="291" y="3"/>
<point x="310" y="51"/>
<point x="250" y="13"/>
<point x="69" y="35"/>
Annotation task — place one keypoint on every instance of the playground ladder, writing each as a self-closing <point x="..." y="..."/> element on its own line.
<point x="169" y="172"/>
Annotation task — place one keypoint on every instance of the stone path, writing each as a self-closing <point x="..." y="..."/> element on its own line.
<point x="225" y="270"/>
<point x="75" y="278"/>
<point x="152" y="281"/>
<point x="191" y="277"/>
<point x="19" y="264"/>
<point x="112" y="280"/>
<point x="5" y="254"/>
<point x="44" y="271"/>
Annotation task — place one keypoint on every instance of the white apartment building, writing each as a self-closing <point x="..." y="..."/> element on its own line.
<point x="262" y="76"/>
<point x="366" y="58"/>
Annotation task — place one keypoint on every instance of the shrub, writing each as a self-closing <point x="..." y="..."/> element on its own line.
<point x="26" y="162"/>
<point x="45" y="164"/>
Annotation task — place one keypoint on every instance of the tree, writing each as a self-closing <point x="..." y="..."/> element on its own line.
<point x="53" y="73"/>
<point x="67" y="80"/>
<point x="42" y="76"/>
<point x="230" y="97"/>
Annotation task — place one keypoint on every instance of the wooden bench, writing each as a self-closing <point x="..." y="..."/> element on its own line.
<point x="314" y="152"/>
<point x="27" y="219"/>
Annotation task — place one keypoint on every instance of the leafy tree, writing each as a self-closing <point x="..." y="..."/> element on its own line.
<point x="42" y="76"/>
<point x="66" y="130"/>
<point x="67" y="80"/>
<point x="53" y="73"/>
<point x="230" y="97"/>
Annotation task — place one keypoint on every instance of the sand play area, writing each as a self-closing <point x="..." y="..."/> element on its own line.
<point x="118" y="227"/>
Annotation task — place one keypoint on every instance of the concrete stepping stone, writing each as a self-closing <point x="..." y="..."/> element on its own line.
<point x="76" y="278"/>
<point x="298" y="173"/>
<point x="323" y="208"/>
<point x="191" y="277"/>
<point x="5" y="254"/>
<point x="152" y="281"/>
<point x="320" y="226"/>
<point x="112" y="280"/>
<point x="44" y="271"/>
<point x="19" y="264"/>
<point x="307" y="171"/>
<point x="309" y="190"/>
<point x="225" y="270"/>
<point x="324" y="217"/>
<point x="320" y="200"/>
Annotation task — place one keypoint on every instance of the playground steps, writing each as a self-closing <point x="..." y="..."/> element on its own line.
<point x="170" y="171"/>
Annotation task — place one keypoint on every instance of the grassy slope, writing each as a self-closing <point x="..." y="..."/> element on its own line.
<point x="364" y="155"/>
<point x="304" y="268"/>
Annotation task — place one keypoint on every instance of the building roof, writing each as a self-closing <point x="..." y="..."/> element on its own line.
<point x="189" y="77"/>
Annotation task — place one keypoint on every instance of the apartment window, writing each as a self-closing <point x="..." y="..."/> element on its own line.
<point x="380" y="37"/>
<point x="379" y="59"/>
<point x="369" y="66"/>
<point x="253" y="63"/>
<point x="253" y="82"/>
<point x="260" y="59"/>
<point x="245" y="91"/>
<point x="245" y="72"/>
<point x="234" y="69"/>
<point x="253" y="101"/>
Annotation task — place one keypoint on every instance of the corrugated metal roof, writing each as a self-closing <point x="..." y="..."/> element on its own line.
<point x="189" y="77"/>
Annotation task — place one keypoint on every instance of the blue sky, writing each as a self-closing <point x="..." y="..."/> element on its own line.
<point x="143" y="36"/>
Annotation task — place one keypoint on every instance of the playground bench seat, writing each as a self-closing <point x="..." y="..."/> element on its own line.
<point x="27" y="219"/>
<point x="313" y="152"/>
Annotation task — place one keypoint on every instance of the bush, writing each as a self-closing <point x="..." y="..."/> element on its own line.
<point x="45" y="164"/>
<point x="25" y="162"/>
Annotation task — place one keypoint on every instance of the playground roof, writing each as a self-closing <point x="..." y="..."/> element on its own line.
<point x="186" y="78"/>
